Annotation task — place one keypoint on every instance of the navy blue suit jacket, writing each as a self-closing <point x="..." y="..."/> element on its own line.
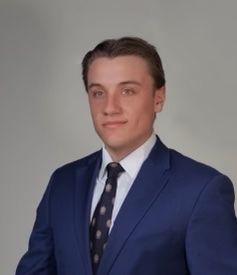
<point x="177" y="219"/>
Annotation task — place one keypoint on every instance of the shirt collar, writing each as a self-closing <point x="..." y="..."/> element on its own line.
<point x="132" y="162"/>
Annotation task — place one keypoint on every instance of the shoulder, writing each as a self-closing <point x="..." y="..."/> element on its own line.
<point x="199" y="183"/>
<point x="181" y="166"/>
<point x="82" y="163"/>
<point x="179" y="160"/>
<point x="184" y="168"/>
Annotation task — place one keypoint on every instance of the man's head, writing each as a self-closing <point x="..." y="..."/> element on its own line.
<point x="123" y="47"/>
<point x="125" y="89"/>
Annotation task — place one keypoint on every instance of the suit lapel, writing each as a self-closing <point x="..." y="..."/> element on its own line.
<point x="144" y="191"/>
<point x="85" y="181"/>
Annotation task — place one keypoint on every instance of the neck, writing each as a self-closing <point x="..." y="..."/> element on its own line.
<point x="117" y="154"/>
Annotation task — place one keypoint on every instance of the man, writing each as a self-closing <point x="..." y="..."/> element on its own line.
<point x="160" y="213"/>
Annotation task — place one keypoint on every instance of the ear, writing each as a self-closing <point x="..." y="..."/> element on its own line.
<point x="159" y="99"/>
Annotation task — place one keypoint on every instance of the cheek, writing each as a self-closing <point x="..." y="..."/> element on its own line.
<point x="95" y="110"/>
<point x="95" y="119"/>
<point x="142" y="113"/>
<point x="141" y="123"/>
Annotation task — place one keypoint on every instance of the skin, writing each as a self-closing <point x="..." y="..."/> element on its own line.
<point x="123" y="102"/>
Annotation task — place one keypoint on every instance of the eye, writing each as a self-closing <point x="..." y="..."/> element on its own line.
<point x="128" y="91"/>
<point x="97" y="93"/>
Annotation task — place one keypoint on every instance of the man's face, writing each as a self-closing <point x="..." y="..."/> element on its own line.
<point x="123" y="102"/>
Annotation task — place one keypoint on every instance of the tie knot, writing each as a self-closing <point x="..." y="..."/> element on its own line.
<point x="114" y="169"/>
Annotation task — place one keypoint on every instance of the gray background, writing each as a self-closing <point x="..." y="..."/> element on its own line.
<point x="44" y="117"/>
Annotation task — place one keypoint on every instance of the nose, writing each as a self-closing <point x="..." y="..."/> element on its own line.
<point x="112" y="105"/>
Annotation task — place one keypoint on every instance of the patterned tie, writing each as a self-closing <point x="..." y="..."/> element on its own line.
<point x="101" y="221"/>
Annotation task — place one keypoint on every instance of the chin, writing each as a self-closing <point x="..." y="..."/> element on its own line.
<point x="114" y="144"/>
<point x="112" y="139"/>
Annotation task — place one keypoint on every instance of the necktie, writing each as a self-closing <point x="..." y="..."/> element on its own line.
<point x="101" y="220"/>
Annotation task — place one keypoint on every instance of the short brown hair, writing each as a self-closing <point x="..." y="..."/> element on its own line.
<point x="127" y="46"/>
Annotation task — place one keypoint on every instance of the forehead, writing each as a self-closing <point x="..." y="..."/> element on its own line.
<point x="117" y="69"/>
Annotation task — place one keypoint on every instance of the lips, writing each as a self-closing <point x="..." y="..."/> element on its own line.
<point x="113" y="124"/>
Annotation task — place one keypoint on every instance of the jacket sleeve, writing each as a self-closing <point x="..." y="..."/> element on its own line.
<point x="39" y="259"/>
<point x="211" y="239"/>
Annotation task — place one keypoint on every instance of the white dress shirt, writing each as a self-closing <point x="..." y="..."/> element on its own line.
<point x="131" y="164"/>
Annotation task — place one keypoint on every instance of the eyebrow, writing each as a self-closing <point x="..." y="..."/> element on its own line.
<point x="128" y="82"/>
<point x="133" y="82"/>
<point x="94" y="85"/>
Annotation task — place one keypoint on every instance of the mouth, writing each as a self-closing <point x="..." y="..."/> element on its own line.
<point x="113" y="124"/>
